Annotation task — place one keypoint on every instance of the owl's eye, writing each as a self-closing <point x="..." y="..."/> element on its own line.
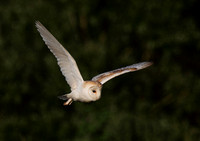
<point x="94" y="91"/>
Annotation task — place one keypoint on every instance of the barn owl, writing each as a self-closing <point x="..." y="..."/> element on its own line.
<point x="84" y="91"/>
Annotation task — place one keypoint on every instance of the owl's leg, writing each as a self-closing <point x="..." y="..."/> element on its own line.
<point x="68" y="102"/>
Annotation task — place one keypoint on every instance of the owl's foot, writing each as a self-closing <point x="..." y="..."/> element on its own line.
<point x="68" y="102"/>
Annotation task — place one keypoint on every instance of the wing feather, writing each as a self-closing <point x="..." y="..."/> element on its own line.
<point x="104" y="77"/>
<point x="66" y="62"/>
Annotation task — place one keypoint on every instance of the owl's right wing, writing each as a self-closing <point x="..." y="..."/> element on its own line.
<point x="104" y="77"/>
<point x="66" y="62"/>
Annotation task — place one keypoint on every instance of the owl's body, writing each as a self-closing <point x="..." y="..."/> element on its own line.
<point x="88" y="91"/>
<point x="84" y="91"/>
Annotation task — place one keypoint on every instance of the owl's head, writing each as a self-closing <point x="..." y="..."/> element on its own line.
<point x="93" y="90"/>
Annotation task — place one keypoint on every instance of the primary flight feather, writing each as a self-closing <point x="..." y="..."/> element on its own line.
<point x="84" y="91"/>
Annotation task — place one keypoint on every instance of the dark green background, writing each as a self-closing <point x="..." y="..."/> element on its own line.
<point x="160" y="103"/>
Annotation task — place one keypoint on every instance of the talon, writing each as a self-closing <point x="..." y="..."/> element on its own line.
<point x="68" y="102"/>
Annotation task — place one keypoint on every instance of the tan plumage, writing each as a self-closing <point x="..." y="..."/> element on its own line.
<point x="81" y="90"/>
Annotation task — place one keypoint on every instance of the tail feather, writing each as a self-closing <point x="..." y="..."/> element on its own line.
<point x="63" y="97"/>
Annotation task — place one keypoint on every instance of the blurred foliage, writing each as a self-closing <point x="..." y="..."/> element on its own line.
<point x="160" y="103"/>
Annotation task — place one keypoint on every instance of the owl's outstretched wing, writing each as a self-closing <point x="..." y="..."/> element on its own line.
<point x="104" y="77"/>
<point x="66" y="62"/>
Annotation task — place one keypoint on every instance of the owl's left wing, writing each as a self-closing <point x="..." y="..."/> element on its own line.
<point x="66" y="62"/>
<point x="104" y="77"/>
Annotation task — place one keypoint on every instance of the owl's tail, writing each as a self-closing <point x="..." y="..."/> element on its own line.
<point x="63" y="97"/>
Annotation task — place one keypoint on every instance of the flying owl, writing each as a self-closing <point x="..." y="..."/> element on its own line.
<point x="84" y="91"/>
